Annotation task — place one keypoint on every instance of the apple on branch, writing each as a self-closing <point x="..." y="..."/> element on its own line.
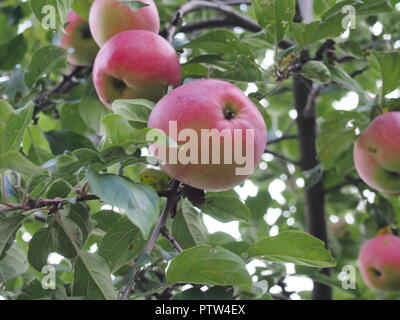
<point x="221" y="133"/>
<point x="379" y="262"/>
<point x="110" y="17"/>
<point x="77" y="36"/>
<point x="377" y="153"/>
<point x="135" y="64"/>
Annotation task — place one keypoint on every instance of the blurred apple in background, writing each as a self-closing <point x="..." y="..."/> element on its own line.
<point x="79" y="38"/>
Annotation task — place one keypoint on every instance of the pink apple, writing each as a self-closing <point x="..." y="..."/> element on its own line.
<point x="135" y="64"/>
<point x="110" y="17"/>
<point x="218" y="112"/>
<point x="377" y="153"/>
<point x="79" y="38"/>
<point x="379" y="262"/>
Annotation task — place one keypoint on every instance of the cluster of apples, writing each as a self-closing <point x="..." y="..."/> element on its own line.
<point x="377" y="160"/>
<point x="132" y="61"/>
<point x="135" y="62"/>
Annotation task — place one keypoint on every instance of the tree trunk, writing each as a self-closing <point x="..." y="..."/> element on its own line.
<point x="306" y="124"/>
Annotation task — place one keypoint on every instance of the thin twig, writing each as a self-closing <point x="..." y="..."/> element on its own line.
<point x="66" y="85"/>
<point x="218" y="23"/>
<point x="283" y="138"/>
<point x="33" y="203"/>
<point x="244" y="21"/>
<point x="358" y="72"/>
<point x="165" y="232"/>
<point x="282" y="157"/>
<point x="172" y="200"/>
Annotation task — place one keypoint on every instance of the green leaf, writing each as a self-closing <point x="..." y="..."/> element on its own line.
<point x="188" y="227"/>
<point x="335" y="136"/>
<point x="80" y="214"/>
<point x="16" y="85"/>
<point x="7" y="31"/>
<point x="316" y="71"/>
<point x="139" y="202"/>
<point x="306" y="34"/>
<point x="92" y="109"/>
<point x="225" y="209"/>
<point x="38" y="155"/>
<point x="241" y="69"/>
<point x="9" y="224"/>
<point x="71" y="119"/>
<point x="293" y="247"/>
<point x="331" y="144"/>
<point x="135" y="110"/>
<point x="66" y="140"/>
<point x="16" y="161"/>
<point x="274" y="16"/>
<point x="67" y="164"/>
<point x="105" y="219"/>
<point x="44" y="60"/>
<point x="120" y="133"/>
<point x="82" y="7"/>
<point x="343" y="78"/>
<point x="13" y="131"/>
<point x="210" y="266"/>
<point x="32" y="290"/>
<point x="14" y="263"/>
<point x="133" y="4"/>
<point x="389" y="70"/>
<point x="59" y="189"/>
<point x="122" y="243"/>
<point x="259" y="204"/>
<point x="92" y="278"/>
<point x="5" y="110"/>
<point x="43" y="243"/>
<point x="214" y="293"/>
<point x="69" y="237"/>
<point x="226" y="241"/>
<point x="220" y="42"/>
<point x="12" y="52"/>
<point x="330" y="25"/>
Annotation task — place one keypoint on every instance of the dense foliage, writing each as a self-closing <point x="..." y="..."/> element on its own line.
<point x="73" y="180"/>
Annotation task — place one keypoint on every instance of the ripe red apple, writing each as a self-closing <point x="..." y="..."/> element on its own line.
<point x="222" y="108"/>
<point x="377" y="153"/>
<point x="110" y="17"/>
<point x="135" y="64"/>
<point x="79" y="38"/>
<point x="379" y="262"/>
